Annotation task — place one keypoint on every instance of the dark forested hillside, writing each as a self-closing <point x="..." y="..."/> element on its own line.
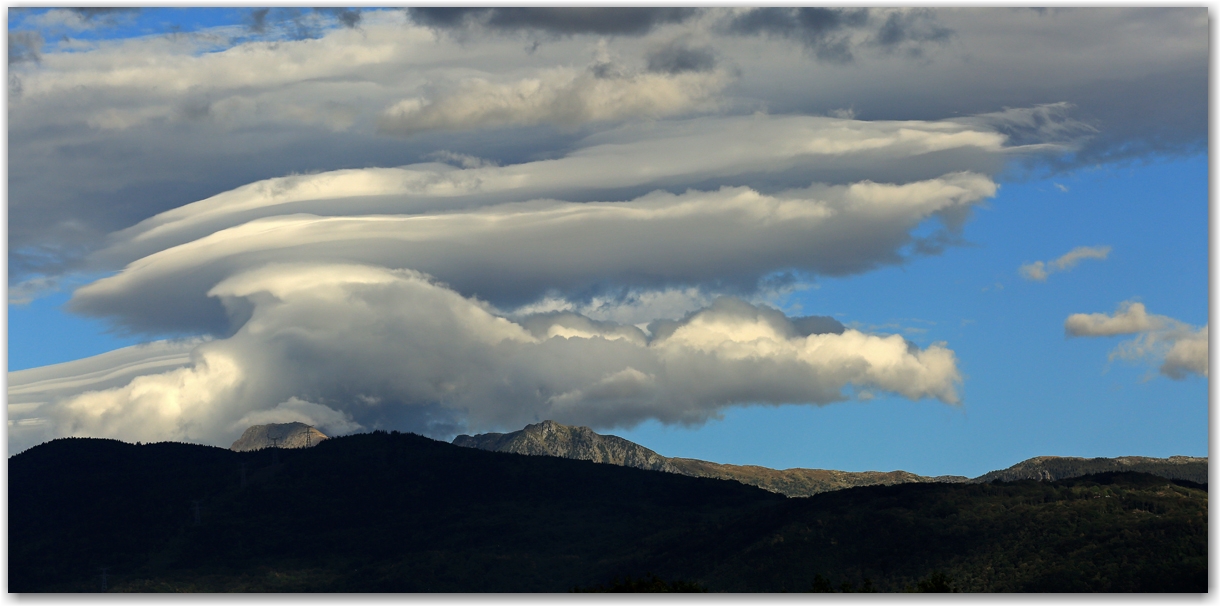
<point x="399" y="512"/>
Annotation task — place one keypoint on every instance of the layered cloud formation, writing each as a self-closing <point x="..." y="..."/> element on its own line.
<point x="1176" y="348"/>
<point x="448" y="220"/>
<point x="442" y="299"/>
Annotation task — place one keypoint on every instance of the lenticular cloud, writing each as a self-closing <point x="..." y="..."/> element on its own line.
<point x="634" y="271"/>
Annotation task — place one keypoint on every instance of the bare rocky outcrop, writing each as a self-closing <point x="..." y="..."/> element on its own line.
<point x="549" y="438"/>
<point x="282" y="435"/>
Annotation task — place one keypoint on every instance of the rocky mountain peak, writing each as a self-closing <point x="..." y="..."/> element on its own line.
<point x="549" y="438"/>
<point x="282" y="435"/>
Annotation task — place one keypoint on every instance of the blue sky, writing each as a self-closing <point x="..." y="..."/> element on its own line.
<point x="510" y="156"/>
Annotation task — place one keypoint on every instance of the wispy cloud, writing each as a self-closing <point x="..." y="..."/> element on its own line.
<point x="1040" y="270"/>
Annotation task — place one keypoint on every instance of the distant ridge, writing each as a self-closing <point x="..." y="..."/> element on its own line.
<point x="283" y="435"/>
<point x="1193" y="469"/>
<point x="549" y="438"/>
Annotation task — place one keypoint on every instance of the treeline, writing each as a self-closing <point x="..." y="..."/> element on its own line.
<point x="399" y="512"/>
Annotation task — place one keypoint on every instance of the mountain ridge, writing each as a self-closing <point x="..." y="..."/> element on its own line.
<point x="549" y="438"/>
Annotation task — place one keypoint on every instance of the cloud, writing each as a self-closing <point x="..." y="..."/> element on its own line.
<point x="676" y="57"/>
<point x="79" y="19"/>
<point x="1039" y="270"/>
<point x="296" y="410"/>
<point x="1179" y="349"/>
<point x="24" y="47"/>
<point x="779" y="151"/>
<point x="1188" y="354"/>
<point x="259" y="107"/>
<point x="833" y="34"/>
<point x="564" y="97"/>
<point x="31" y="393"/>
<point x="1130" y="318"/>
<point x="258" y="20"/>
<point x="288" y="162"/>
<point x="394" y="348"/>
<point x="349" y="17"/>
<point x="730" y="237"/>
<point x="553" y="20"/>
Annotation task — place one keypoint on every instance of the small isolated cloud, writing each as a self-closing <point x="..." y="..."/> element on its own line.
<point x="1040" y="270"/>
<point x="1061" y="187"/>
<point x="1179" y="349"/>
<point x="1130" y="318"/>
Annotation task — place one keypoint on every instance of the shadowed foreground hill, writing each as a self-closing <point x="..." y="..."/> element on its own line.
<point x="399" y="512"/>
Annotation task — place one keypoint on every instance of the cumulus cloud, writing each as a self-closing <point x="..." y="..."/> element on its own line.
<point x="1130" y="318"/>
<point x="1177" y="348"/>
<point x="1039" y="270"/>
<point x="566" y="97"/>
<point x="1188" y="354"/>
<point x="394" y="348"/>
<point x="733" y="237"/>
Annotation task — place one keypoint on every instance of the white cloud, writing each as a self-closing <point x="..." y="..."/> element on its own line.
<point x="631" y="157"/>
<point x="562" y="96"/>
<point x="295" y="410"/>
<point x="654" y="217"/>
<point x="1189" y="354"/>
<point x="1130" y="318"/>
<point x="506" y="253"/>
<point x="1176" y="347"/>
<point x="383" y="348"/>
<point x="1039" y="270"/>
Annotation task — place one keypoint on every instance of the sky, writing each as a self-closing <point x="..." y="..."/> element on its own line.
<point x="942" y="241"/>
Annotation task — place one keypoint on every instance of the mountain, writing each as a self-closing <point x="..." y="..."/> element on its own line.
<point x="1193" y="469"/>
<point x="549" y="438"/>
<point x="390" y="512"/>
<point x="282" y="435"/>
